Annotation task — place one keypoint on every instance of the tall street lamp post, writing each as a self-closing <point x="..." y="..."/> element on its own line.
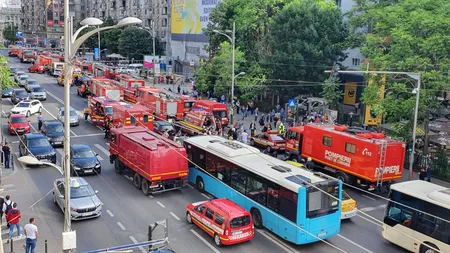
<point x="418" y="77"/>
<point x="152" y="33"/>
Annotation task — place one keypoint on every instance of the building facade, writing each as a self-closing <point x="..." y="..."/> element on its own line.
<point x="9" y="17"/>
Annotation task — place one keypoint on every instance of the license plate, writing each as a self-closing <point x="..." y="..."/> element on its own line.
<point x="237" y="232"/>
<point x="86" y="214"/>
<point x="322" y="234"/>
<point x="57" y="142"/>
<point x="88" y="171"/>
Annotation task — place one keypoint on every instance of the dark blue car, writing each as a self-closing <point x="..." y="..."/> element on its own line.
<point x="38" y="146"/>
<point x="7" y="93"/>
<point x="83" y="160"/>
<point x="54" y="131"/>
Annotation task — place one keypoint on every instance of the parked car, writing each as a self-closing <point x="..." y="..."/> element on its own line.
<point x="36" y="68"/>
<point x="84" y="202"/>
<point x="18" y="74"/>
<point x="84" y="161"/>
<point x="54" y="131"/>
<point x="27" y="107"/>
<point x="12" y="71"/>
<point x="23" y="80"/>
<point x="74" y="118"/>
<point x="273" y="139"/>
<point x="19" y="95"/>
<point x="38" y="146"/>
<point x="7" y="93"/>
<point x="29" y="83"/>
<point x="38" y="92"/>
<point x="18" y="124"/>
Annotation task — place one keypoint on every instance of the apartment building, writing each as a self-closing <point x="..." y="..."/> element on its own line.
<point x="9" y="16"/>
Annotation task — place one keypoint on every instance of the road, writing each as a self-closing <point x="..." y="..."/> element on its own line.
<point x="127" y="212"/>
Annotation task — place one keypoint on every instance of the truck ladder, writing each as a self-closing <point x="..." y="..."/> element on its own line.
<point x="383" y="148"/>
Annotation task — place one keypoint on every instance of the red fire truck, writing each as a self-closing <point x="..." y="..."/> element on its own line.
<point x="103" y="71"/>
<point x="13" y="50"/>
<point x="27" y="56"/>
<point x="156" y="164"/>
<point x="130" y="114"/>
<point x="42" y="62"/>
<point x="218" y="109"/>
<point x="196" y="121"/>
<point x="130" y="86"/>
<point x="105" y="88"/>
<point x="353" y="155"/>
<point x="99" y="107"/>
<point x="165" y="108"/>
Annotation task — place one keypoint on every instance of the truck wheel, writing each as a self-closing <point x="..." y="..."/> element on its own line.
<point x="343" y="177"/>
<point x="144" y="187"/>
<point x="200" y="184"/>
<point x="137" y="181"/>
<point x="425" y="249"/>
<point x="118" y="166"/>
<point x="257" y="218"/>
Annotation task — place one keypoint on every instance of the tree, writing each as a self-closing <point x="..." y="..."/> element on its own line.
<point x="5" y="72"/>
<point x="9" y="33"/>
<point x="216" y="74"/>
<point x="332" y="93"/>
<point x="110" y="40"/>
<point x="306" y="37"/>
<point x="135" y="43"/>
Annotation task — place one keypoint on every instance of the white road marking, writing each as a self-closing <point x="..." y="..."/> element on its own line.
<point x="100" y="158"/>
<point x="278" y="242"/>
<point x="205" y="241"/>
<point x="159" y="203"/>
<point x="107" y="144"/>
<point x="87" y="135"/>
<point x="102" y="149"/>
<point x="369" y="220"/>
<point x="74" y="134"/>
<point x="4" y="241"/>
<point x="206" y="196"/>
<point x="60" y="151"/>
<point x="151" y="196"/>
<point x="121" y="226"/>
<point x="6" y="231"/>
<point x="34" y="129"/>
<point x="62" y="102"/>
<point x="110" y="213"/>
<point x="135" y="241"/>
<point x="369" y="209"/>
<point x="15" y="142"/>
<point x="190" y="186"/>
<point x="175" y="216"/>
<point x="365" y="196"/>
<point x="354" y="243"/>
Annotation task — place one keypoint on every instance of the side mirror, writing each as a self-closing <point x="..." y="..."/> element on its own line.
<point x="61" y="196"/>
<point x="96" y="154"/>
<point x="96" y="191"/>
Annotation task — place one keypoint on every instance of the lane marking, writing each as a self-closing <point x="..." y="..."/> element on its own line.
<point x="105" y="151"/>
<point x="190" y="186"/>
<point x="100" y="158"/>
<point x="175" y="216"/>
<point x="369" y="209"/>
<point x="14" y="238"/>
<point x="151" y="196"/>
<point x="205" y="241"/>
<point x="87" y="135"/>
<point x="369" y="220"/>
<point x="107" y="144"/>
<point x="60" y="151"/>
<point x="121" y="226"/>
<point x="354" y="243"/>
<point x="206" y="196"/>
<point x="74" y="134"/>
<point x="365" y="196"/>
<point x="110" y="213"/>
<point x="278" y="242"/>
<point x="34" y="129"/>
<point x="135" y="241"/>
<point x="159" y="203"/>
<point x="62" y="102"/>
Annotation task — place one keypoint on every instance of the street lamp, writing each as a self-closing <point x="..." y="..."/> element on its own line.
<point x="233" y="44"/>
<point x="152" y="33"/>
<point x="71" y="46"/>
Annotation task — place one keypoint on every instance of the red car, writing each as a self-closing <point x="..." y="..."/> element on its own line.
<point x="273" y="139"/>
<point x="36" y="69"/>
<point x="18" y="123"/>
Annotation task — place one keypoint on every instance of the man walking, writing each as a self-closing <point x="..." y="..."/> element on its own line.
<point x="39" y="117"/>
<point x="31" y="232"/>
<point x="428" y="170"/>
<point x="244" y="137"/>
<point x="6" y="153"/>
<point x="13" y="218"/>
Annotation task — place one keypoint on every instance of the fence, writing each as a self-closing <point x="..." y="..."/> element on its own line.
<point x="439" y="162"/>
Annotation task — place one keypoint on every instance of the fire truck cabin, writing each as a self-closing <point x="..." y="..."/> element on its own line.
<point x="156" y="164"/>
<point x="218" y="109"/>
<point x="99" y="107"/>
<point x="353" y="155"/>
<point x="196" y="121"/>
<point x="132" y="114"/>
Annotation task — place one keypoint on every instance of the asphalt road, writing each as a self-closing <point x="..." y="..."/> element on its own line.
<point x="127" y="212"/>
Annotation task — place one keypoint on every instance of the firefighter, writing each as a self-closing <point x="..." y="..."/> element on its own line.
<point x="281" y="128"/>
<point x="87" y="112"/>
<point x="108" y="124"/>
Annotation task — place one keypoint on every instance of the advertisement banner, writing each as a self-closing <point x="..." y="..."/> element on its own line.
<point x="148" y="61"/>
<point x="14" y="4"/>
<point x="49" y="22"/>
<point x="350" y="93"/>
<point x="191" y="16"/>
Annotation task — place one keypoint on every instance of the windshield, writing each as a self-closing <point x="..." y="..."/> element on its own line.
<point x="18" y="120"/>
<point x="167" y="127"/>
<point x="83" y="153"/>
<point x="24" y="77"/>
<point x="240" y="222"/>
<point x="41" y="142"/>
<point x="72" y="113"/>
<point x="21" y="92"/>
<point x="28" y="53"/>
<point x="221" y="114"/>
<point x="345" y="196"/>
<point x="57" y="128"/>
<point x="81" y="192"/>
<point x="324" y="201"/>
<point x="38" y="89"/>
<point x="276" y="137"/>
<point x="23" y="105"/>
<point x="31" y="82"/>
<point x="108" y="110"/>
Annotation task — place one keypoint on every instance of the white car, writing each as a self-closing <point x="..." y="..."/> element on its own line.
<point x="27" y="107"/>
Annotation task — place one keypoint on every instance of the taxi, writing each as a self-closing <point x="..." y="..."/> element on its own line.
<point x="222" y="219"/>
<point x="348" y="205"/>
<point x="272" y="138"/>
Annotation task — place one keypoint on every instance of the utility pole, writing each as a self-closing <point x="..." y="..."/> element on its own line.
<point x="99" y="51"/>
<point x="154" y="52"/>
<point x="233" y="44"/>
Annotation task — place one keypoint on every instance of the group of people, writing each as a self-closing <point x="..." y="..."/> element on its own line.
<point x="13" y="216"/>
<point x="425" y="173"/>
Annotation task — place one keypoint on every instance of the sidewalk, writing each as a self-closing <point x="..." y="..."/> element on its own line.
<point x="20" y="186"/>
<point x="405" y="177"/>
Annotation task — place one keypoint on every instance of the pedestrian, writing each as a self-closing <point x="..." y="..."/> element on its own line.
<point x="7" y="154"/>
<point x="422" y="174"/>
<point x="39" y="118"/>
<point x="356" y="107"/>
<point x="238" y="107"/>
<point x="107" y="128"/>
<point x="278" y="107"/>
<point x="309" y="164"/>
<point x="256" y="114"/>
<point x="31" y="232"/>
<point x="282" y="114"/>
<point x="7" y="205"/>
<point x="281" y="128"/>
<point x="428" y="171"/>
<point x="2" y="201"/>
<point x="244" y="137"/>
<point x="252" y="128"/>
<point x="179" y="89"/>
<point x="13" y="218"/>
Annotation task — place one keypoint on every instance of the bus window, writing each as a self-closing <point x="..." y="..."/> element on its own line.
<point x="399" y="214"/>
<point x="257" y="190"/>
<point x="238" y="180"/>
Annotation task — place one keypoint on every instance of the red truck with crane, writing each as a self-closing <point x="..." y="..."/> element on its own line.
<point x="366" y="159"/>
<point x="156" y="164"/>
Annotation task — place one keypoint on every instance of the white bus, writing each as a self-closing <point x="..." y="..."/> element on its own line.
<point x="417" y="217"/>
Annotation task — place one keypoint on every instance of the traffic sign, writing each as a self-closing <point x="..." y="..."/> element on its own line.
<point x="18" y="34"/>
<point x="292" y="103"/>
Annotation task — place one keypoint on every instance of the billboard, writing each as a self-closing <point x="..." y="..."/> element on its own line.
<point x="13" y="4"/>
<point x="189" y="17"/>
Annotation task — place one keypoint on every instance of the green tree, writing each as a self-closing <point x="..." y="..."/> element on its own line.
<point x="9" y="33"/>
<point x="306" y="37"/>
<point x="135" y="43"/>
<point x="215" y="75"/>
<point x="110" y="40"/>
<point x="332" y="93"/>
<point x="5" y="77"/>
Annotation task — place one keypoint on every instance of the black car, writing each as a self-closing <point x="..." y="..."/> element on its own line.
<point x="38" y="146"/>
<point x="84" y="161"/>
<point x="54" y="131"/>
<point x="19" y="95"/>
<point x="161" y="126"/>
<point x="7" y="93"/>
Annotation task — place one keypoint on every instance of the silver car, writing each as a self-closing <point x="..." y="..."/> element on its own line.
<point x="29" y="83"/>
<point x="84" y="203"/>
<point x="18" y="74"/>
<point x="23" y="80"/>
<point x="74" y="118"/>
<point x="38" y="92"/>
